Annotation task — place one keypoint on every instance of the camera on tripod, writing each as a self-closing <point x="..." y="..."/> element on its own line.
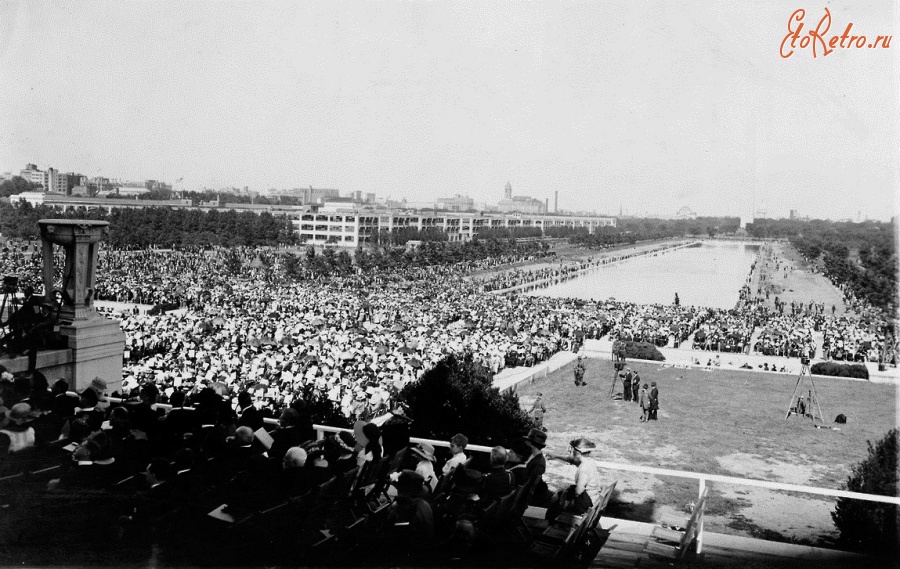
<point x="10" y="284"/>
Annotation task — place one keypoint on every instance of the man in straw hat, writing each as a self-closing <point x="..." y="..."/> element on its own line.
<point x="579" y="497"/>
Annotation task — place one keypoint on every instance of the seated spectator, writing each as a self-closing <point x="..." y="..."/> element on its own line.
<point x="95" y="466"/>
<point x="248" y="415"/>
<point x="499" y="481"/>
<point x="179" y="421"/>
<point x="425" y="466"/>
<point x="238" y="449"/>
<point x="458" y="444"/>
<point x="410" y="525"/>
<point x="288" y="434"/>
<point x="18" y="433"/>
<point x="340" y="452"/>
<point x="371" y="451"/>
<point x="517" y="458"/>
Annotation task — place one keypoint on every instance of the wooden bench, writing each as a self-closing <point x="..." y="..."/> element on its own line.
<point x="574" y="537"/>
<point x="675" y="537"/>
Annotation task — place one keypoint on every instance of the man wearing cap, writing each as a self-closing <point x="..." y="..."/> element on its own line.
<point x="537" y="411"/>
<point x="18" y="434"/>
<point x="585" y="492"/>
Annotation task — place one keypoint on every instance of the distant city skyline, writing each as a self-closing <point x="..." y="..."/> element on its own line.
<point x="640" y="105"/>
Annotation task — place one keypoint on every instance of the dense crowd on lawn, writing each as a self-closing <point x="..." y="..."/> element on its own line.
<point x="357" y="339"/>
<point x="137" y="474"/>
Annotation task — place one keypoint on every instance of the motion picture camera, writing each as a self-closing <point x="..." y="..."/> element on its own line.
<point x="10" y="284"/>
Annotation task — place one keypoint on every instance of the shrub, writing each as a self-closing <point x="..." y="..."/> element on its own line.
<point x="840" y="370"/>
<point x="162" y="308"/>
<point x="642" y="351"/>
<point x="456" y="396"/>
<point x="871" y="526"/>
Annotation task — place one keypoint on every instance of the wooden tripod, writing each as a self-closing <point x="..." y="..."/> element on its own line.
<point x="811" y="408"/>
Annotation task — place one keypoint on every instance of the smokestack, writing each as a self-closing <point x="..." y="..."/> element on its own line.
<point x="546" y="205"/>
<point x="556" y="201"/>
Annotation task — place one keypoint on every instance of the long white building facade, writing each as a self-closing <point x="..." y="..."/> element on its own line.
<point x="350" y="228"/>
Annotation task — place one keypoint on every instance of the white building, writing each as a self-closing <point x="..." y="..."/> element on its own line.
<point x="350" y="227"/>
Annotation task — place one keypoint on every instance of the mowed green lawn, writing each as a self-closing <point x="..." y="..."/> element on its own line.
<point x="722" y="422"/>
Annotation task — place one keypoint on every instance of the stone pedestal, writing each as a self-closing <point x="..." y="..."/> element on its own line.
<point x="97" y="342"/>
<point x="97" y="348"/>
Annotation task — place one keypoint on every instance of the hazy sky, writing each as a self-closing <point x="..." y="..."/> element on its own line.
<point x="647" y="105"/>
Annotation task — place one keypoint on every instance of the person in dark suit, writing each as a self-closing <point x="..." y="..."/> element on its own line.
<point x="248" y="415"/>
<point x="289" y="434"/>
<point x="144" y="416"/>
<point x="636" y="387"/>
<point x="654" y="400"/>
<point x="536" y="466"/>
<point x="178" y="421"/>
<point x="626" y="382"/>
<point x="238" y="450"/>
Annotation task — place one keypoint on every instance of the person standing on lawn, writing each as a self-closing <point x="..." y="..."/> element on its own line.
<point x="644" y="400"/>
<point x="579" y="372"/>
<point x="635" y="386"/>
<point x="537" y="412"/>
<point x="626" y="382"/>
<point x="654" y="400"/>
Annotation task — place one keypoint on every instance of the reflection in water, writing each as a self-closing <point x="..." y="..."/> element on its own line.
<point x="710" y="275"/>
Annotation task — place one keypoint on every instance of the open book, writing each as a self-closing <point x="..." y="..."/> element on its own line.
<point x="264" y="437"/>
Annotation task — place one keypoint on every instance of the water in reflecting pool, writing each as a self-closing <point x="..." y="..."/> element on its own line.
<point x="710" y="274"/>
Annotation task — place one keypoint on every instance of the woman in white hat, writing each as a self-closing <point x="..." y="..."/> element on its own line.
<point x="585" y="492"/>
<point x="425" y="467"/>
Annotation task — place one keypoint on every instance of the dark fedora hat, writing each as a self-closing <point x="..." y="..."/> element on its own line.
<point x="537" y="437"/>
<point x="410" y="484"/>
<point x="467" y="481"/>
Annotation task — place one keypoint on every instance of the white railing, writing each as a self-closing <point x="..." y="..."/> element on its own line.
<point x="701" y="477"/>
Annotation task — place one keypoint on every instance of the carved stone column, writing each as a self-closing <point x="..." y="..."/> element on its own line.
<point x="97" y="342"/>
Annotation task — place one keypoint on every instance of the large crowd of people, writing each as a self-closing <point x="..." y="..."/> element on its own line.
<point x="356" y="339"/>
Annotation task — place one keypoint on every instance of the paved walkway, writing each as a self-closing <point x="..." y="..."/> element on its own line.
<point x="730" y="360"/>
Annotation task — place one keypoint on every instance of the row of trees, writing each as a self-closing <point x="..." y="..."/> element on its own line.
<point x="861" y="257"/>
<point x="375" y="258"/>
<point x="632" y="230"/>
<point x="17" y="185"/>
<point x="158" y="226"/>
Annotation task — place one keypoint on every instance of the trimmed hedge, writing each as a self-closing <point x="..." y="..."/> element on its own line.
<point x="162" y="308"/>
<point x="871" y="527"/>
<point x="642" y="351"/>
<point x="840" y="370"/>
<point x="457" y="396"/>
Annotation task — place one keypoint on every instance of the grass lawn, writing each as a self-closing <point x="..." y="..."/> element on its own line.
<point x="722" y="422"/>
